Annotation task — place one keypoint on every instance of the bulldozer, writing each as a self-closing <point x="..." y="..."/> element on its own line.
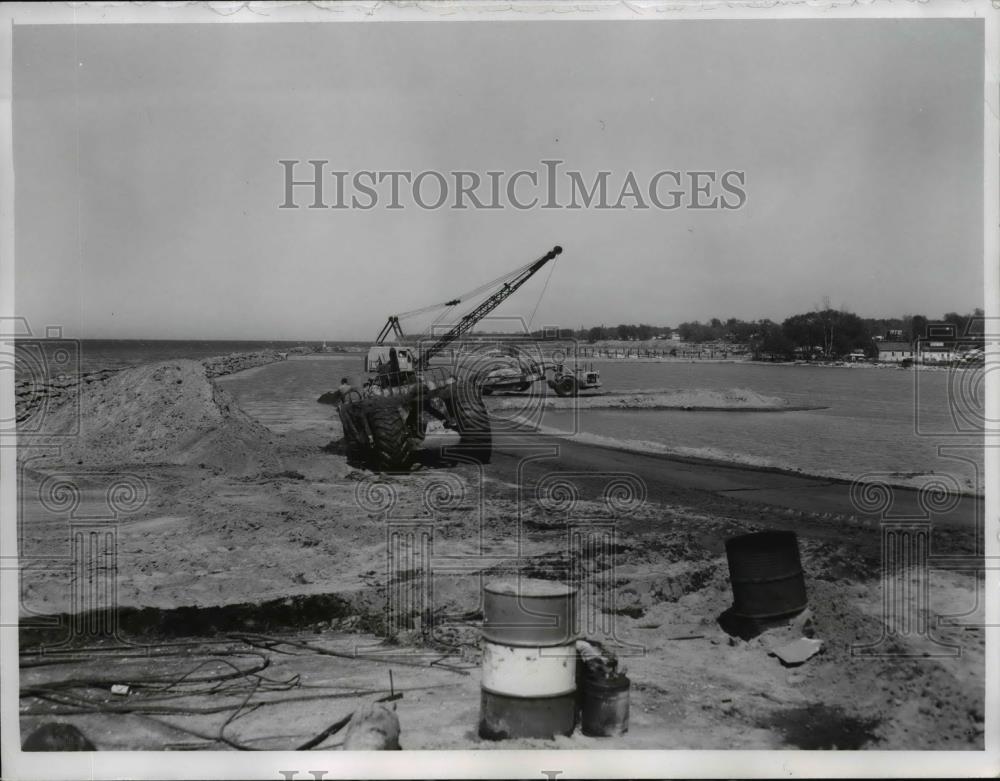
<point x="386" y="420"/>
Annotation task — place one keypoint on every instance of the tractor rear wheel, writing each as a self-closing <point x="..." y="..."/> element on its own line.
<point x="473" y="424"/>
<point x="354" y="440"/>
<point x="392" y="448"/>
<point x="566" y="386"/>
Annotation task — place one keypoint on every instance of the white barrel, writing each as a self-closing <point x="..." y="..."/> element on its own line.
<point x="529" y="672"/>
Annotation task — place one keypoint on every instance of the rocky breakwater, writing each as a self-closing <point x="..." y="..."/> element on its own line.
<point x="33" y="396"/>
<point x="221" y="365"/>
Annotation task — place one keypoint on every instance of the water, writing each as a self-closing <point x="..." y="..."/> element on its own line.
<point x="94" y="354"/>
<point x="898" y="425"/>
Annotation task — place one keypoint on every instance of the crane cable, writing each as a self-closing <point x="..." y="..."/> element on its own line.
<point x="468" y="294"/>
<point x="542" y="294"/>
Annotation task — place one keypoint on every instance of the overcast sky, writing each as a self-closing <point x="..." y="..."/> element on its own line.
<point x="147" y="181"/>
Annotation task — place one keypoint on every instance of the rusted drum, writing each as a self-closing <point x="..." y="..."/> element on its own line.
<point x="529" y="612"/>
<point x="604" y="711"/>
<point x="766" y="574"/>
<point x="503" y="717"/>
<point x="520" y="671"/>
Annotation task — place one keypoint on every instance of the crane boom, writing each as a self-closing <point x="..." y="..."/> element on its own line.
<point x="468" y="322"/>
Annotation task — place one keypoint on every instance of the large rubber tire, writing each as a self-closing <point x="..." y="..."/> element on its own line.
<point x="392" y="449"/>
<point x="473" y="424"/>
<point x="566" y="387"/>
<point x="354" y="441"/>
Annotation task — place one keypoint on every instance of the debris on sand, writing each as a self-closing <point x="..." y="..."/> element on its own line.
<point x="798" y="651"/>
<point x="599" y="662"/>
<point x="373" y="727"/>
<point x="164" y="413"/>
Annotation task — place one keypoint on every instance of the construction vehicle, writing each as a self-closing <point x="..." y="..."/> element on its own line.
<point x="508" y="369"/>
<point x="569" y="382"/>
<point x="387" y="419"/>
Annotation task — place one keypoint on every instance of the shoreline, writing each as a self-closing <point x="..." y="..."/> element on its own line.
<point x="679" y="401"/>
<point x="607" y="443"/>
<point x="751" y="362"/>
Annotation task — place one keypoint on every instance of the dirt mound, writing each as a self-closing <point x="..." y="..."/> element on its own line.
<point x="165" y="413"/>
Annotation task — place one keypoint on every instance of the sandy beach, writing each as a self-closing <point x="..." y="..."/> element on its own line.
<point x="247" y="538"/>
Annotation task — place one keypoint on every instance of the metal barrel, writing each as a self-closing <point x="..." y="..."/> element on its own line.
<point x="518" y="671"/>
<point x="503" y="717"/>
<point x="529" y="612"/>
<point x="766" y="574"/>
<point x="528" y="686"/>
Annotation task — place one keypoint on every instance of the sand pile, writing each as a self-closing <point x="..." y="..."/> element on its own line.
<point x="165" y="413"/>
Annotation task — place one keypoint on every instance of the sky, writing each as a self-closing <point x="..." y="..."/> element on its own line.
<point x="147" y="181"/>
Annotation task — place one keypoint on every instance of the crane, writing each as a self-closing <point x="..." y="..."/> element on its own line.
<point x="508" y="286"/>
<point x="385" y="421"/>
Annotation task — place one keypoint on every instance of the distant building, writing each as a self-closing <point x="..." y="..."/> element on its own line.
<point x="894" y="335"/>
<point x="938" y="352"/>
<point x="894" y="352"/>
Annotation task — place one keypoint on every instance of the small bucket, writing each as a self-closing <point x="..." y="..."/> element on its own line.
<point x="766" y="574"/>
<point x="604" y="712"/>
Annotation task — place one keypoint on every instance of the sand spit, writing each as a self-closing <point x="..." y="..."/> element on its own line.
<point x="164" y="413"/>
<point x="733" y="399"/>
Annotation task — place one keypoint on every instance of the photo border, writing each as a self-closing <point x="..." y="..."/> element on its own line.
<point x="492" y="763"/>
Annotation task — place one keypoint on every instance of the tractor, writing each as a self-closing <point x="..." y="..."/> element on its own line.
<point x="386" y="420"/>
<point x="569" y="382"/>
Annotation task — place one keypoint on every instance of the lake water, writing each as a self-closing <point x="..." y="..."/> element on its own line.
<point x="901" y="426"/>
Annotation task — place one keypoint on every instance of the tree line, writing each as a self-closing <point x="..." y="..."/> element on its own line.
<point x="822" y="333"/>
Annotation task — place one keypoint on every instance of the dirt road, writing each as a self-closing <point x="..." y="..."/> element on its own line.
<point x="669" y="479"/>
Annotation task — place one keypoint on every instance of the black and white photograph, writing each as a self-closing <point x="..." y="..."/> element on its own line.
<point x="555" y="390"/>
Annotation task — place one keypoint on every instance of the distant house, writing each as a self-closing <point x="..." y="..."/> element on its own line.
<point x="894" y="352"/>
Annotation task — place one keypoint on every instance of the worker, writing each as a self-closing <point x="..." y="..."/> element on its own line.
<point x="344" y="388"/>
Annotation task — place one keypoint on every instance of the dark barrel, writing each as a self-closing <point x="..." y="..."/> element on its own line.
<point x="766" y="574"/>
<point x="529" y="612"/>
<point x="502" y="717"/>
<point x="604" y="711"/>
